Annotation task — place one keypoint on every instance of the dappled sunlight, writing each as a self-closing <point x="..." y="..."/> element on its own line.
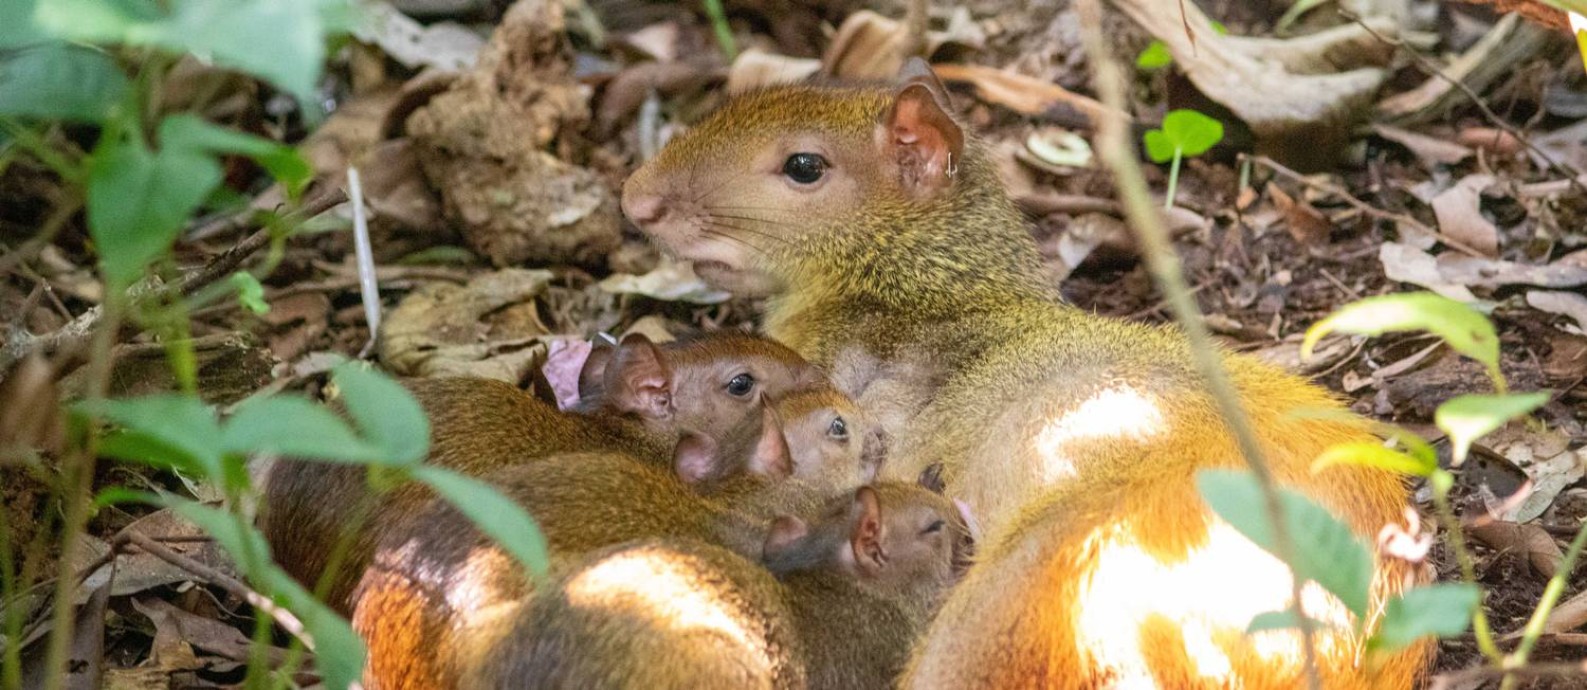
<point x="669" y="592"/>
<point x="1121" y="412"/>
<point x="1211" y="597"/>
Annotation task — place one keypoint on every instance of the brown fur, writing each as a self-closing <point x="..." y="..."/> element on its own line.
<point x="478" y="425"/>
<point x="830" y="624"/>
<point x="468" y="592"/>
<point x="1052" y="423"/>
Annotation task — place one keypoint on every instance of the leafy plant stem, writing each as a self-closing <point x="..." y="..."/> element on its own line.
<point x="724" y="33"/>
<point x="30" y="141"/>
<point x="76" y="484"/>
<point x="1173" y="181"/>
<point x="1551" y="594"/>
<point x="1114" y="147"/>
<point x="1468" y="571"/>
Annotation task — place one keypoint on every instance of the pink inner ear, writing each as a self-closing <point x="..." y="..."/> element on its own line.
<point x="564" y="361"/>
<point x="969" y="518"/>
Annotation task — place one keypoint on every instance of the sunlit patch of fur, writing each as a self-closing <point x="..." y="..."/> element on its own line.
<point x="1118" y="413"/>
<point x="655" y="584"/>
<point x="1211" y="596"/>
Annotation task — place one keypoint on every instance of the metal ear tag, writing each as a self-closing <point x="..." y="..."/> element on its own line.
<point x="607" y="338"/>
<point x="952" y="169"/>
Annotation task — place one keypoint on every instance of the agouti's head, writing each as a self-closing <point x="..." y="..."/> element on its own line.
<point x="900" y="540"/>
<point x="816" y="435"/>
<point x="708" y="385"/>
<point x="779" y="176"/>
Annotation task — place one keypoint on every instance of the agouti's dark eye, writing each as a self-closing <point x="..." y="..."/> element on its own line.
<point x="741" y="385"/>
<point x="804" y="168"/>
<point x="838" y="428"/>
<point x="933" y="528"/>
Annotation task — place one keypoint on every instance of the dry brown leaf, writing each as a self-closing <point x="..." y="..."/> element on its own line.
<point x="1477" y="271"/>
<point x="1305" y="223"/>
<point x="395" y="187"/>
<point x="1568" y="615"/>
<point x="1491" y="139"/>
<point x="1407" y="264"/>
<point x="1433" y="150"/>
<point x="755" y="69"/>
<point x="1529" y="541"/>
<point x="488" y="328"/>
<point x="658" y="41"/>
<point x="1567" y="357"/>
<point x="1459" y="213"/>
<point x="1017" y="92"/>
<point x="1568" y="304"/>
<point x="871" y="46"/>
<point x="671" y="281"/>
<point x="30" y="412"/>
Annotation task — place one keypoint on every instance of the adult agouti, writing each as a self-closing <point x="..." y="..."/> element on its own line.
<point x="892" y="256"/>
<point x="637" y="398"/>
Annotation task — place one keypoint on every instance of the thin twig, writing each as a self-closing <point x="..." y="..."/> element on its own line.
<point x="368" y="286"/>
<point x="1114" y="147"/>
<point x="282" y="617"/>
<point x="1569" y="171"/>
<point x="77" y="332"/>
<point x="1551" y="594"/>
<point x="1360" y="205"/>
<point x="1464" y="678"/>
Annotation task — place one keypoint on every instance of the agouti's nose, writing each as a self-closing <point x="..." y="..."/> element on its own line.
<point x="644" y="208"/>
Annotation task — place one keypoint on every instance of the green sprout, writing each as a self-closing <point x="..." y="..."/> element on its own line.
<point x="1156" y="56"/>
<point x="1184" y="133"/>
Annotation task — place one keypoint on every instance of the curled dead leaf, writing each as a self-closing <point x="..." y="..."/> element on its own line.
<point x="1459" y="213"/>
<point x="489" y="328"/>
<point x="1529" y="541"/>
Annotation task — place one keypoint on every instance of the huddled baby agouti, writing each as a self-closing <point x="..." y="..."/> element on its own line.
<point x="892" y="257"/>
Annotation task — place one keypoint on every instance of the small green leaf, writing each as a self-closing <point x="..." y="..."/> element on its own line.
<point x="1465" y="329"/>
<point x="181" y="423"/>
<point x="96" y="21"/>
<point x="1326" y="551"/>
<point x="1467" y="418"/>
<point x="385" y="412"/>
<point x="1273" y="620"/>
<point x="1159" y="147"/>
<point x="292" y="426"/>
<point x="250" y="294"/>
<point x="138" y="201"/>
<point x="1154" y="56"/>
<point x="1193" y="132"/>
<point x="1375" y="455"/>
<point x="139" y="447"/>
<point x="60" y="81"/>
<point x="283" y="162"/>
<point x="496" y="515"/>
<point x="1444" y="610"/>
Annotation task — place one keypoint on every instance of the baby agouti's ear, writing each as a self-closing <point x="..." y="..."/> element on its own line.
<point x="786" y="535"/>
<point x="931" y="479"/>
<point x="695" y="458"/>
<point x="771" y="458"/>
<point x="866" y="538"/>
<point x="918" y="135"/>
<point x="637" y="379"/>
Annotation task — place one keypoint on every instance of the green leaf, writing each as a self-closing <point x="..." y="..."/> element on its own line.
<point x="250" y="294"/>
<point x="100" y="21"/>
<point x="1441" y="609"/>
<point x="1273" y="620"/>
<point x="292" y="426"/>
<point x="1154" y="56"/>
<point x="497" y="516"/>
<point x="182" y="423"/>
<point x="1465" y="329"/>
<point x="282" y="41"/>
<point x="1191" y="131"/>
<point x="283" y="162"/>
<point x="1326" y="551"/>
<point x="138" y="201"/>
<point x="338" y="653"/>
<point x="1375" y="455"/>
<point x="385" y="412"/>
<point x="60" y="82"/>
<point x="1467" y="418"/>
<point x="1159" y="147"/>
<point x="139" y="447"/>
<point x="17" y="27"/>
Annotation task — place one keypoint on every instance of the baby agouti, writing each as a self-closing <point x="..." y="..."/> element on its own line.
<point x="838" y="608"/>
<point x="893" y="258"/>
<point x="637" y="399"/>
<point x="438" y="593"/>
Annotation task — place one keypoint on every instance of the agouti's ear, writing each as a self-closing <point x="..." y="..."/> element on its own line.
<point x="637" y="379"/>
<point x="866" y="539"/>
<point x="917" y="134"/>
<point x="931" y="479"/>
<point x="592" y="376"/>
<point x="771" y="458"/>
<point x="785" y="535"/>
<point x="694" y="458"/>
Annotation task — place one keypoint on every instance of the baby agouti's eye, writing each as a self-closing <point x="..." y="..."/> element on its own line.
<point x="804" y="168"/>
<point x="933" y="528"/>
<point x="838" y="429"/>
<point x="741" y="385"/>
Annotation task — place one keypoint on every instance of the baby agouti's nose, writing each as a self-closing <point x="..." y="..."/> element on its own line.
<point x="644" y="208"/>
